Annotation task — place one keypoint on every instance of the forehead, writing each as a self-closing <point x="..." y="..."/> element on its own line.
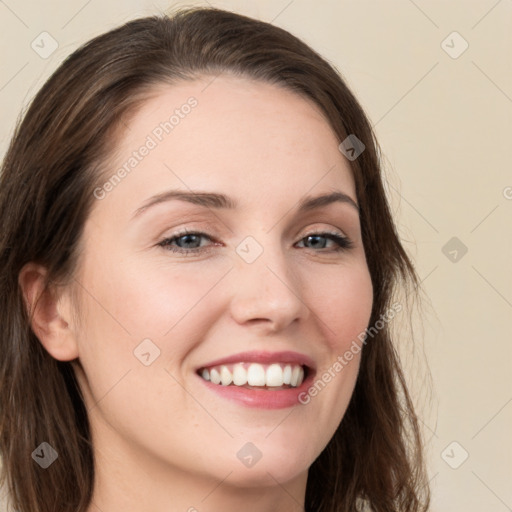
<point x="228" y="133"/>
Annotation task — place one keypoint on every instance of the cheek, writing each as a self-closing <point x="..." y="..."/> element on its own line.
<point x="342" y="304"/>
<point x="345" y="306"/>
<point x="172" y="306"/>
<point x="149" y="302"/>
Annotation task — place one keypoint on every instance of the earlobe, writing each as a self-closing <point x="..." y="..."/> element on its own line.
<point x="44" y="308"/>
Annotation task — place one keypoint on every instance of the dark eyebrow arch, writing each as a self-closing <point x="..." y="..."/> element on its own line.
<point x="221" y="201"/>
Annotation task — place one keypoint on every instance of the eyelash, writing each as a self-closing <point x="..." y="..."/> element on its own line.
<point x="343" y="242"/>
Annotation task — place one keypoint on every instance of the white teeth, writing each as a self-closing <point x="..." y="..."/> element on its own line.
<point x="214" y="376"/>
<point x="295" y="375"/>
<point x="287" y="374"/>
<point x="225" y="376"/>
<point x="254" y="374"/>
<point x="274" y="375"/>
<point x="239" y="375"/>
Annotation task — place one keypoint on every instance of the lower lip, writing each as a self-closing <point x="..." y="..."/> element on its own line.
<point x="261" y="398"/>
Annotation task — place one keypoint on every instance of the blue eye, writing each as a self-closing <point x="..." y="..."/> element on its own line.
<point x="186" y="239"/>
<point x="342" y="241"/>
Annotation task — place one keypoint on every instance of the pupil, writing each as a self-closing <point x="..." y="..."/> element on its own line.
<point x="315" y="237"/>
<point x="187" y="238"/>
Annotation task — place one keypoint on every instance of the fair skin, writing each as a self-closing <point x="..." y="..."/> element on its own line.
<point x="163" y="440"/>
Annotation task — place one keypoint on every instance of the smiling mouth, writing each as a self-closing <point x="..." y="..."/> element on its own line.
<point x="272" y="376"/>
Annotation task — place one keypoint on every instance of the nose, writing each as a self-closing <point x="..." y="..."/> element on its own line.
<point x="267" y="292"/>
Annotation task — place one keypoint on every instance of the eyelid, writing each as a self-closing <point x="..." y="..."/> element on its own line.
<point x="342" y="242"/>
<point x="207" y="230"/>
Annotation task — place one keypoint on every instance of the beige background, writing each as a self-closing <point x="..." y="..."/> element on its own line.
<point x="443" y="123"/>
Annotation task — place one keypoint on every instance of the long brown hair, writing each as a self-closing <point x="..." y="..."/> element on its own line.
<point x="56" y="159"/>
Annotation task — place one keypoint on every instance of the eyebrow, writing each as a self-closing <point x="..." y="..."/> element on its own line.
<point x="221" y="201"/>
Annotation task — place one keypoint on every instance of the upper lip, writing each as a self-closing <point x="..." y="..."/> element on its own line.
<point x="264" y="357"/>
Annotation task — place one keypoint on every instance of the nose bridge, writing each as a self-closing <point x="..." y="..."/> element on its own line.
<point x="266" y="287"/>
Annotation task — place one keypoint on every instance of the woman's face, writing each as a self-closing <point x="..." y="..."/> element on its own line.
<point x="253" y="282"/>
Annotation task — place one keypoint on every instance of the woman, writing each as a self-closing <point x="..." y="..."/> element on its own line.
<point x="251" y="369"/>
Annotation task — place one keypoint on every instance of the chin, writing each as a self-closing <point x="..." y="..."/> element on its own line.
<point x="265" y="462"/>
<point x="266" y="474"/>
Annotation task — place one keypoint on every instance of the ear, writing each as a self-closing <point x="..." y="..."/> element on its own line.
<point x="48" y="313"/>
